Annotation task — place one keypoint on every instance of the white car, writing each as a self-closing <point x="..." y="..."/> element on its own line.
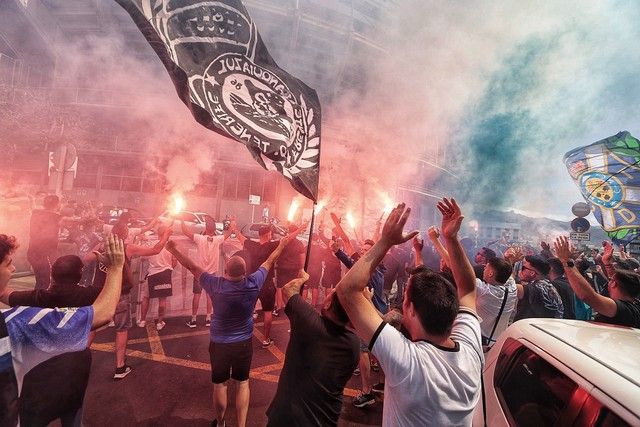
<point x="552" y="372"/>
<point x="194" y="220"/>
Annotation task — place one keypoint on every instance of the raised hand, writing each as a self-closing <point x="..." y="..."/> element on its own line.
<point x="545" y="246"/>
<point x="392" y="231"/>
<point x="607" y="256"/>
<point x="433" y="233"/>
<point x="418" y="244"/>
<point x="114" y="252"/>
<point x="563" y="249"/>
<point x="451" y="217"/>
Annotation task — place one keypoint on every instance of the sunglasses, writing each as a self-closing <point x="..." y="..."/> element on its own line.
<point x="524" y="268"/>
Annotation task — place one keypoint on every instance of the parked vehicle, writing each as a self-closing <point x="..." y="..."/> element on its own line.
<point x="196" y="221"/>
<point x="553" y="372"/>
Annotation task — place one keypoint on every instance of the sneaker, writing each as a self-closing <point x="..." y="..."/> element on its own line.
<point x="207" y="322"/>
<point x="214" y="423"/>
<point x="122" y="372"/>
<point x="266" y="343"/>
<point x="364" y="399"/>
<point x="378" y="388"/>
<point x="374" y="366"/>
<point x="275" y="312"/>
<point x="141" y="323"/>
<point x="191" y="323"/>
<point x="160" y="325"/>
<point x="356" y="371"/>
<point x="112" y="324"/>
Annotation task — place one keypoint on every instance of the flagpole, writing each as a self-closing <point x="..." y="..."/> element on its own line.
<point x="313" y="220"/>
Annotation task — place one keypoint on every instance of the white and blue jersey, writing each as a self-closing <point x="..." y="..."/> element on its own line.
<point x="38" y="334"/>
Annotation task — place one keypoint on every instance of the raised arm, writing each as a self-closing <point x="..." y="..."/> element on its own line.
<point x="150" y="226"/>
<point x="293" y="287"/>
<point x="580" y="285"/>
<point x="607" y="260"/>
<point x="434" y="236"/>
<point x="418" y="245"/>
<point x="361" y="311"/>
<point x="463" y="275"/>
<point x="185" y="261"/>
<point x="186" y="231"/>
<point x="137" y="250"/>
<point x="105" y="304"/>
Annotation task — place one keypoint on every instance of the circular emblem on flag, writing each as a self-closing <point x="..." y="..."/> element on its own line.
<point x="255" y="106"/>
<point x="602" y="189"/>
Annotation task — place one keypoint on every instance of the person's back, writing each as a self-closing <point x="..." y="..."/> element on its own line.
<point x="233" y="303"/>
<point x="496" y="298"/>
<point x="320" y="359"/>
<point x="429" y="384"/>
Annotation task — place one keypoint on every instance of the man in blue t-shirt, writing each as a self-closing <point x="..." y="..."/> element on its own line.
<point x="234" y="296"/>
<point x="30" y="336"/>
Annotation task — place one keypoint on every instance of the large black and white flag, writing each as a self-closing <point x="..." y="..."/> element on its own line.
<point x="225" y="75"/>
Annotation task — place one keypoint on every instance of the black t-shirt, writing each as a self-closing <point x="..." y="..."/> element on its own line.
<point x="540" y="300"/>
<point x="567" y="295"/>
<point x="316" y="255"/>
<point x="290" y="258"/>
<point x="320" y="359"/>
<point x="43" y="232"/>
<point x="57" y="296"/>
<point x="100" y="276"/>
<point x="628" y="314"/>
<point x="256" y="254"/>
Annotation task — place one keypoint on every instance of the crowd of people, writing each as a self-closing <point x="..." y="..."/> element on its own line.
<point x="420" y="311"/>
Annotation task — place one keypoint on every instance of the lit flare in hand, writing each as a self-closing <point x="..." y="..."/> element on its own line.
<point x="321" y="204"/>
<point x="177" y="205"/>
<point x="350" y="220"/>
<point x="292" y="210"/>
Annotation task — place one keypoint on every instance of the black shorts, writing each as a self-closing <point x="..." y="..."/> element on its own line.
<point x="160" y="284"/>
<point x="267" y="296"/>
<point x="285" y="276"/>
<point x="232" y="360"/>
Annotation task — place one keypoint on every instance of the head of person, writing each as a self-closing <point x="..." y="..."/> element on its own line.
<point x="430" y="302"/>
<point x="8" y="245"/>
<point x="51" y="202"/>
<point x="497" y="271"/>
<point x="67" y="270"/>
<point x="533" y="268"/>
<point x="209" y="225"/>
<point x="555" y="268"/>
<point x="366" y="246"/>
<point x="332" y="309"/>
<point x="120" y="229"/>
<point x="265" y="233"/>
<point x="625" y="284"/>
<point x="484" y="254"/>
<point x="235" y="268"/>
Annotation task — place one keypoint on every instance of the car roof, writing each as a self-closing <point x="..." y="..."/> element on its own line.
<point x="604" y="355"/>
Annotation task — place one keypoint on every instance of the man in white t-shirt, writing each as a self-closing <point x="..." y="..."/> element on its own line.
<point x="208" y="247"/>
<point x="497" y="298"/>
<point x="159" y="275"/>
<point x="433" y="375"/>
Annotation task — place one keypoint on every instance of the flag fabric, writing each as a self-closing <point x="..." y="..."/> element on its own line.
<point x="608" y="175"/>
<point x="223" y="72"/>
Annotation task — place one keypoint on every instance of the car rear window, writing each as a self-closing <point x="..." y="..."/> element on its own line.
<point x="533" y="392"/>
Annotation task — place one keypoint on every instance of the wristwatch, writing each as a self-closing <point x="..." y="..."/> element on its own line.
<point x="569" y="264"/>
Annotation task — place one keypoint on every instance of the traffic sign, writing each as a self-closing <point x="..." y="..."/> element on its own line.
<point x="254" y="199"/>
<point x="580" y="236"/>
<point x="580" y="225"/>
<point x="581" y="209"/>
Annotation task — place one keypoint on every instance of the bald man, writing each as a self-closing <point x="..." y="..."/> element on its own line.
<point x="234" y="296"/>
